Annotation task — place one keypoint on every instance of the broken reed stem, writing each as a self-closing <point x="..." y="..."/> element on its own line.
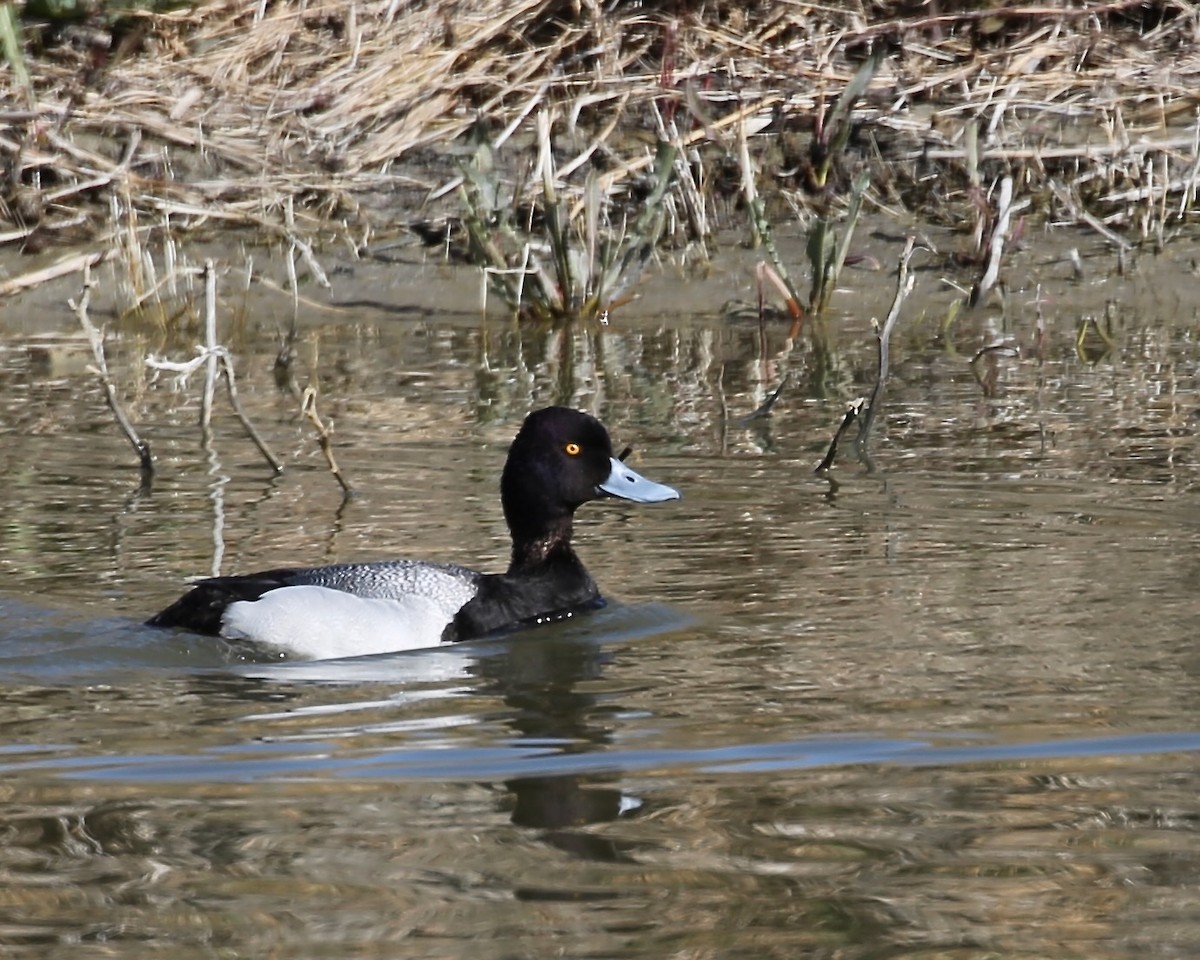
<point x="762" y="235"/>
<point x="68" y="265"/>
<point x="324" y="438"/>
<point x="1067" y="199"/>
<point x="694" y="206"/>
<point x="299" y="245"/>
<point x="212" y="357"/>
<point x="991" y="271"/>
<point x="853" y="410"/>
<point x="96" y="339"/>
<point x="217" y="362"/>
<point x="904" y="285"/>
<point x="764" y="271"/>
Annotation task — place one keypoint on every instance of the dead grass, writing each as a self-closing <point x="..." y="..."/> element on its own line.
<point x="236" y="113"/>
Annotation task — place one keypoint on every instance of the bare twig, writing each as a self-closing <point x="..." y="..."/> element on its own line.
<point x="96" y="339"/>
<point x="251" y="432"/>
<point x="904" y="285"/>
<point x="324" y="438"/>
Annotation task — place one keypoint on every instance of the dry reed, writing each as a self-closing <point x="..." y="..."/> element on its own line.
<point x="285" y="117"/>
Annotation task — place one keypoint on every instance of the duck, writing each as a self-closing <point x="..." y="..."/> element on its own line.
<point x="560" y="459"/>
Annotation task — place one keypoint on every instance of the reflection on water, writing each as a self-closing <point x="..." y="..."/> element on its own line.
<point x="946" y="706"/>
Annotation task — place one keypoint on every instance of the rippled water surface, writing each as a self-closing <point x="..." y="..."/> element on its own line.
<point x="943" y="703"/>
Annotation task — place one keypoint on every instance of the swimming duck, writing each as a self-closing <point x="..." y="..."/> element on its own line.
<point x="560" y="459"/>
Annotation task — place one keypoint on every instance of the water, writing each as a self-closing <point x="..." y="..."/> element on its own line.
<point x="942" y="707"/>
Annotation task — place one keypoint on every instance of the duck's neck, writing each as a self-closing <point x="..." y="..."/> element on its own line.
<point x="535" y="549"/>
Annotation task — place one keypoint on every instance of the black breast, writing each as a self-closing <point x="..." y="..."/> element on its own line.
<point x="509" y="600"/>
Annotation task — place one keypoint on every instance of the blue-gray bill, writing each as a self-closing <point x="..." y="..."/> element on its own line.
<point x="628" y="484"/>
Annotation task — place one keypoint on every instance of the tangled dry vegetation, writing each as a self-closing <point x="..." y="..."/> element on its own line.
<point x="310" y="119"/>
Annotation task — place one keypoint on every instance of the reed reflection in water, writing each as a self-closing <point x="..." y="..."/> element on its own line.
<point x="942" y="707"/>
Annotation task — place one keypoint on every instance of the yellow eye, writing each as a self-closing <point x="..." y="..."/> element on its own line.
<point x="572" y="449"/>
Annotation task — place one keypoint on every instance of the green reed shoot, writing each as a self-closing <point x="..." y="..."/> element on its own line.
<point x="827" y="252"/>
<point x="832" y="131"/>
<point x="561" y="261"/>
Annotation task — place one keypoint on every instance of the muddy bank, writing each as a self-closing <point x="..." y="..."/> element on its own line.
<point x="1066" y="268"/>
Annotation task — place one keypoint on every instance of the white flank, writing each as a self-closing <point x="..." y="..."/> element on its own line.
<point x="324" y="624"/>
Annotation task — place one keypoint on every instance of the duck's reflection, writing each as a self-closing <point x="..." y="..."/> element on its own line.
<point x="557" y="704"/>
<point x="545" y="682"/>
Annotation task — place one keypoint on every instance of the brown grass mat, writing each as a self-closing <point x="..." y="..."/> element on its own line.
<point x="286" y="114"/>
